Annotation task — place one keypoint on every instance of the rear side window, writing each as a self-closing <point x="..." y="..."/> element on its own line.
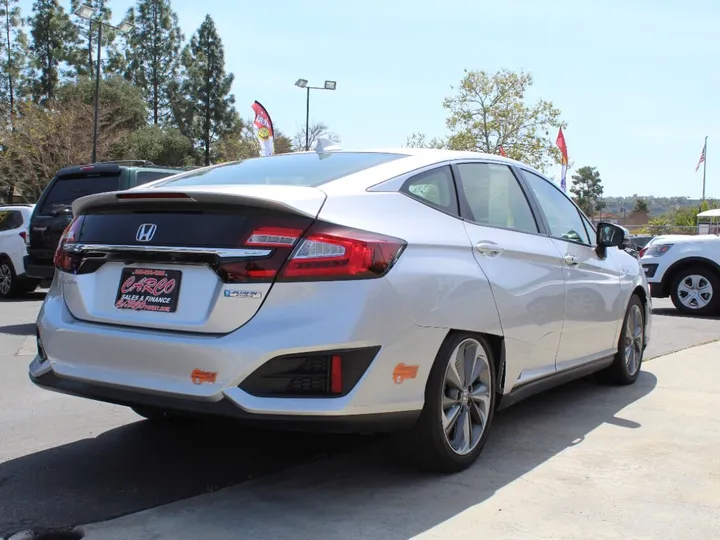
<point x="10" y="219"/>
<point x="495" y="197"/>
<point x="68" y="188"/>
<point x="434" y="187"/>
<point x="150" y="176"/>
<point x="302" y="169"/>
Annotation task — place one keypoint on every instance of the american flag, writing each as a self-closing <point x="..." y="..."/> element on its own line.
<point x="702" y="158"/>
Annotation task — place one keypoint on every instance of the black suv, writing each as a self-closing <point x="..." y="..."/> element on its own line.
<point x="53" y="211"/>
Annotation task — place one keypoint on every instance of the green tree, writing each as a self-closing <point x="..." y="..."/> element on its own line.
<point x="204" y="108"/>
<point x="161" y="145"/>
<point x="489" y="111"/>
<point x="418" y="140"/>
<point x="641" y="205"/>
<point x="13" y="56"/>
<point x="54" y="37"/>
<point x="152" y="54"/>
<point x="123" y="102"/>
<point x="587" y="188"/>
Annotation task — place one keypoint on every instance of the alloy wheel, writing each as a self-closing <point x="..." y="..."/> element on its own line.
<point x="466" y="396"/>
<point x="694" y="291"/>
<point x="634" y="334"/>
<point x="5" y="279"/>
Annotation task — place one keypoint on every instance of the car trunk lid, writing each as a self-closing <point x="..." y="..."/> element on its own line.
<point x="184" y="260"/>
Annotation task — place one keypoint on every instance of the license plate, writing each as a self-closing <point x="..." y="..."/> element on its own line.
<point x="147" y="289"/>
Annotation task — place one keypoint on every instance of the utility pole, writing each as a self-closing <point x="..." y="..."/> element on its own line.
<point x="704" y="168"/>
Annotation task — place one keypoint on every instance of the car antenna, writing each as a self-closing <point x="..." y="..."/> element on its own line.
<point x="324" y="146"/>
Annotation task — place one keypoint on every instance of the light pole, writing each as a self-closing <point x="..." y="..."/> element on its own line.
<point x="302" y="83"/>
<point x="88" y="13"/>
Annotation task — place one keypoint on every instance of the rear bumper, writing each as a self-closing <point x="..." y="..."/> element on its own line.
<point x="151" y="367"/>
<point x="38" y="270"/>
<point x="224" y="407"/>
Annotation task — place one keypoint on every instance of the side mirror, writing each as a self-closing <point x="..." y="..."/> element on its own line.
<point x="609" y="235"/>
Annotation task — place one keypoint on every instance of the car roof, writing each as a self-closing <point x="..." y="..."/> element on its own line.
<point x="416" y="158"/>
<point x="20" y="206"/>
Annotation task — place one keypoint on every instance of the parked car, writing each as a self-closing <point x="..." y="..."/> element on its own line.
<point x="53" y="211"/>
<point x="359" y="291"/>
<point x="687" y="269"/>
<point x="14" y="221"/>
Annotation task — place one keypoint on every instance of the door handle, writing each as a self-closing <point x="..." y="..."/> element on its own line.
<point x="571" y="260"/>
<point x="488" y="249"/>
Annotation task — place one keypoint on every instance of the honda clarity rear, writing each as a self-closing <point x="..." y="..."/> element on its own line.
<point x="353" y="291"/>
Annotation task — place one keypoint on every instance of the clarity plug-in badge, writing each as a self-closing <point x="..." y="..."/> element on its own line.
<point x="235" y="293"/>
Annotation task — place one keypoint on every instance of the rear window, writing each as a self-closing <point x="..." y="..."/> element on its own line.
<point x="68" y="188"/>
<point x="306" y="169"/>
<point x="151" y="176"/>
<point x="10" y="219"/>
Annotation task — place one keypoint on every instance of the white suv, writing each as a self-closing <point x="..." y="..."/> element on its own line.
<point x="687" y="269"/>
<point x="14" y="222"/>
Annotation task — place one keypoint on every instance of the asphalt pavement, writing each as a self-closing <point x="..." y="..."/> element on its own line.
<point x="65" y="461"/>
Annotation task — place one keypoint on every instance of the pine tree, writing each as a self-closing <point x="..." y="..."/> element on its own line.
<point x="588" y="189"/>
<point x="152" y="54"/>
<point x="205" y="109"/>
<point x="13" y="56"/>
<point x="54" y="37"/>
<point x="82" y="54"/>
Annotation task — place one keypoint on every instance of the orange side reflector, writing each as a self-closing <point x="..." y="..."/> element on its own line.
<point x="403" y="372"/>
<point x="200" y="376"/>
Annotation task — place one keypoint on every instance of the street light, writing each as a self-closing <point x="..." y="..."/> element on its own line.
<point x="302" y="83"/>
<point x="88" y="13"/>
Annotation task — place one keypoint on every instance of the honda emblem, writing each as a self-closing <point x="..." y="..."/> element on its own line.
<point x="145" y="232"/>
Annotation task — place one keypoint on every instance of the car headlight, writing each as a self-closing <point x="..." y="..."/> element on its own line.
<point x="656" y="250"/>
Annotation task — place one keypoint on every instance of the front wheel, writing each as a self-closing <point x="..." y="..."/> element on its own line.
<point x="625" y="369"/>
<point x="696" y="291"/>
<point x="459" y="405"/>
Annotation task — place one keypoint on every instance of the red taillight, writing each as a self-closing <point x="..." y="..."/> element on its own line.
<point x="23" y="235"/>
<point x="336" y="380"/>
<point x="330" y="252"/>
<point x="160" y="195"/>
<point x="642" y="252"/>
<point x="63" y="260"/>
<point x="324" y="252"/>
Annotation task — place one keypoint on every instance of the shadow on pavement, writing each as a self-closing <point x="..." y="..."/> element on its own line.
<point x="142" y="465"/>
<point x="37" y="296"/>
<point x="672" y="312"/>
<point x="27" y="329"/>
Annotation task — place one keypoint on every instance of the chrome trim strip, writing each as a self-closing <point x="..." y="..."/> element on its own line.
<point x="220" y="252"/>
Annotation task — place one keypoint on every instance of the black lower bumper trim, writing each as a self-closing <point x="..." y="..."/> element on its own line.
<point x="656" y="290"/>
<point x="364" y="423"/>
<point x="38" y="271"/>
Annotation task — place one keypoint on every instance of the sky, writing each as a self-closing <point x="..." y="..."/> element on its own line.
<point x="636" y="80"/>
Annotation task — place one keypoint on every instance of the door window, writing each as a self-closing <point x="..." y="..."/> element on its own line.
<point x="495" y="197"/>
<point x="434" y="187"/>
<point x="563" y="216"/>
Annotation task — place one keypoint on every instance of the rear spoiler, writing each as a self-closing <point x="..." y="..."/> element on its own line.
<point x="304" y="201"/>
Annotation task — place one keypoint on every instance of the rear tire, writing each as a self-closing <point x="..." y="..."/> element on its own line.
<point x="696" y="291"/>
<point x="625" y="369"/>
<point x="10" y="286"/>
<point x="29" y="285"/>
<point x="459" y="405"/>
